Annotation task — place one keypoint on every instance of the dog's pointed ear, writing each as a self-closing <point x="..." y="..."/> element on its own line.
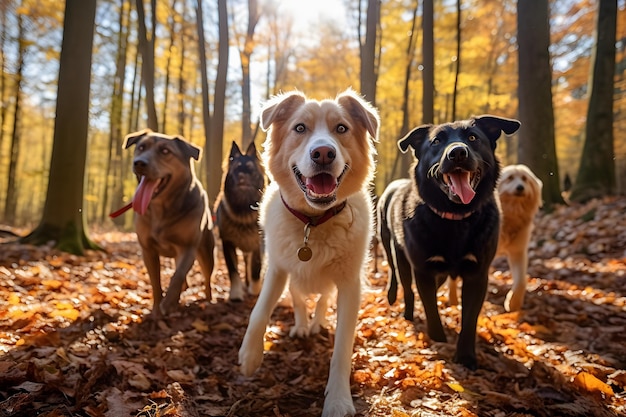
<point x="133" y="138"/>
<point x="414" y="138"/>
<point x="234" y="150"/>
<point x="493" y="126"/>
<point x="251" y="151"/>
<point x="189" y="150"/>
<point x="361" y="110"/>
<point x="280" y="107"/>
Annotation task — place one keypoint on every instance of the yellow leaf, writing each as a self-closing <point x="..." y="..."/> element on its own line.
<point x="590" y="383"/>
<point x="14" y="299"/>
<point x="52" y="284"/>
<point x="71" y="314"/>
<point x="455" y="386"/>
<point x="200" y="325"/>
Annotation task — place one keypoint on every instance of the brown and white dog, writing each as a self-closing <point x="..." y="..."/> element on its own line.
<point x="317" y="218"/>
<point x="519" y="190"/>
<point x="173" y="216"/>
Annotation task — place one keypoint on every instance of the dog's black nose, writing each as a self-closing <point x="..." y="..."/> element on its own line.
<point x="519" y="188"/>
<point x="323" y="155"/>
<point x="457" y="153"/>
<point x="138" y="163"/>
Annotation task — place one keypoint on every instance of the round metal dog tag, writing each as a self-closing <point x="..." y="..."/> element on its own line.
<point x="305" y="253"/>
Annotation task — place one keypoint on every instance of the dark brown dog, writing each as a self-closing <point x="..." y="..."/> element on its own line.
<point x="173" y="216"/>
<point x="237" y="217"/>
<point x="444" y="221"/>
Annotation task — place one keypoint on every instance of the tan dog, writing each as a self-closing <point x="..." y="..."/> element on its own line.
<point x="173" y="216"/>
<point x="317" y="218"/>
<point x="520" y="198"/>
<point x="519" y="191"/>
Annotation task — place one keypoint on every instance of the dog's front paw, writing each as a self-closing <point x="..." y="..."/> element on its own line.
<point x="317" y="325"/>
<point x="255" y="287"/>
<point x="468" y="361"/>
<point x="299" y="331"/>
<point x="168" y="306"/>
<point x="236" y="292"/>
<point x="338" y="407"/>
<point x="250" y="356"/>
<point x="513" y="301"/>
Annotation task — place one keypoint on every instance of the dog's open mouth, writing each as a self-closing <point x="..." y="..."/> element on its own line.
<point x="320" y="188"/>
<point x="146" y="190"/>
<point x="461" y="184"/>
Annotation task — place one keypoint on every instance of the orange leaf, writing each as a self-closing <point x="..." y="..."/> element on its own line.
<point x="590" y="383"/>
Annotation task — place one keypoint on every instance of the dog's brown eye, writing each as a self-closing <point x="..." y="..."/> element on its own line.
<point x="342" y="129"/>
<point x="300" y="128"/>
<point x="434" y="142"/>
<point x="141" y="147"/>
<point x="472" y="138"/>
<point x="165" y="151"/>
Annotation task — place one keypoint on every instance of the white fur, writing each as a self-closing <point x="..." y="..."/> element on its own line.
<point x="340" y="248"/>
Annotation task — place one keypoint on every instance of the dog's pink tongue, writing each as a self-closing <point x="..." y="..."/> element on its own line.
<point x="321" y="184"/>
<point x="460" y="185"/>
<point x="143" y="195"/>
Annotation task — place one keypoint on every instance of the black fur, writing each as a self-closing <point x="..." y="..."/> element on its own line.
<point x="430" y="232"/>
<point x="236" y="210"/>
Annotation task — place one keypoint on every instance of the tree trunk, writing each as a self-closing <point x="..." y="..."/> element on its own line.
<point x="146" y="46"/>
<point x="63" y="216"/>
<point x="457" y="70"/>
<point x="406" y="159"/>
<point x="369" y="77"/>
<point x="10" y="208"/>
<point x="428" y="53"/>
<point x="3" y="81"/>
<point x="114" y="160"/>
<point x="536" y="143"/>
<point x="596" y="174"/>
<point x="216" y="137"/>
<point x="245" y="55"/>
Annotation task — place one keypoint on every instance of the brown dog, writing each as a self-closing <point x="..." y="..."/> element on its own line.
<point x="173" y="216"/>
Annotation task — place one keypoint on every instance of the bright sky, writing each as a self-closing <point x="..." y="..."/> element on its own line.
<point x="310" y="12"/>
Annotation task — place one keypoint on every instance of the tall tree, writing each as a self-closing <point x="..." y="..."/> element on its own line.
<point x="596" y="174"/>
<point x="114" y="165"/>
<point x="536" y="144"/>
<point x="219" y="104"/>
<point x="146" y="46"/>
<point x="10" y="207"/>
<point x="63" y="215"/>
<point x="457" y="69"/>
<point x="245" y="54"/>
<point x="428" y="54"/>
<point x="368" y="49"/>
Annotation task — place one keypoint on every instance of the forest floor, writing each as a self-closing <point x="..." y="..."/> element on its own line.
<point x="74" y="339"/>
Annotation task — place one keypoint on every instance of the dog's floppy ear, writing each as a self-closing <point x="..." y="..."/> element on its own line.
<point x="493" y="126"/>
<point x="414" y="138"/>
<point x="361" y="110"/>
<point x="234" y="150"/>
<point x="280" y="107"/>
<point x="133" y="138"/>
<point x="189" y="150"/>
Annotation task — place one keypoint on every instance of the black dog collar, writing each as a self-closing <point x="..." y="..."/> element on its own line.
<point x="449" y="215"/>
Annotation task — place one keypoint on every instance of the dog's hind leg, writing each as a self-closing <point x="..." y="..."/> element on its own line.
<point x="253" y="271"/>
<point x="206" y="258"/>
<point x="230" y="256"/>
<point x="319" y="321"/>
<point x="406" y="278"/>
<point x="251" y="350"/>
<point x="301" y="325"/>
<point x="338" y="398"/>
<point x="518" y="262"/>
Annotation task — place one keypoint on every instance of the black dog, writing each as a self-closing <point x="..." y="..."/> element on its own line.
<point x="445" y="221"/>
<point x="237" y="217"/>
